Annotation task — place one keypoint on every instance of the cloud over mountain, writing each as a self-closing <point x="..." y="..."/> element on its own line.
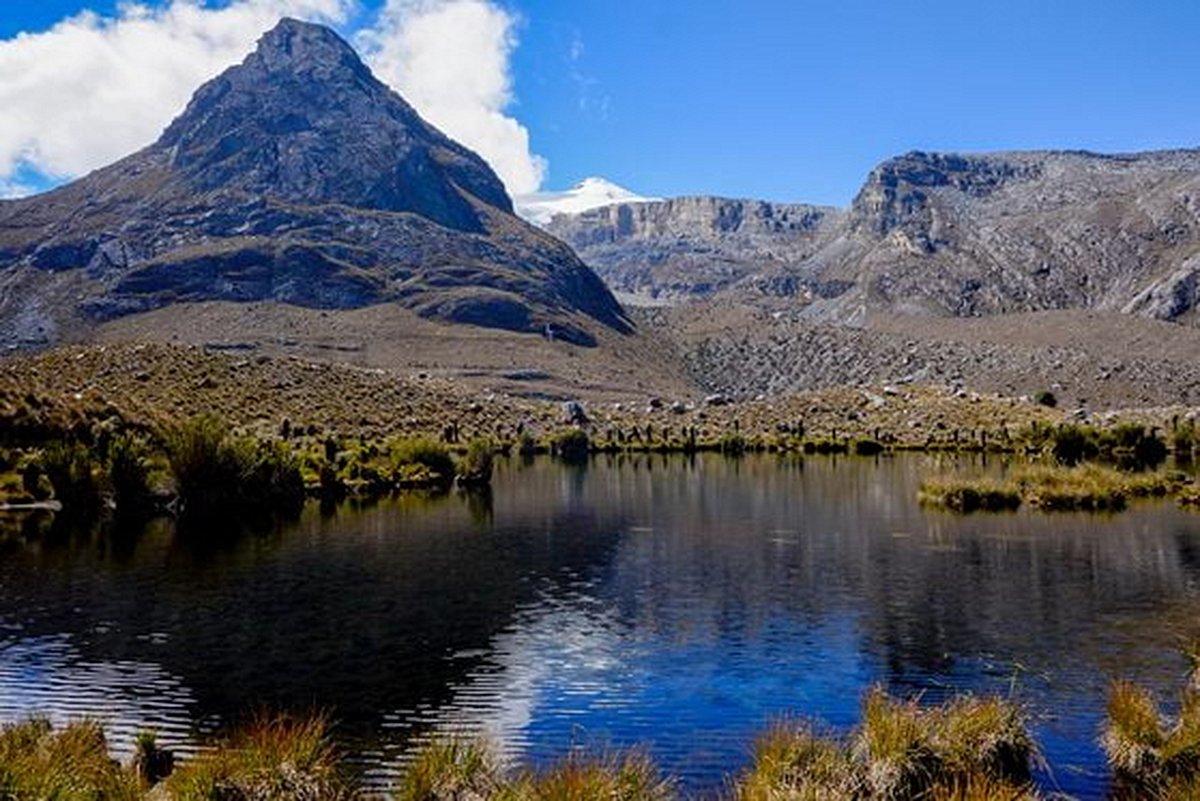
<point x="93" y="88"/>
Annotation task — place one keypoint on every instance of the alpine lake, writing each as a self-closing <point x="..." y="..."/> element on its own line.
<point x="665" y="602"/>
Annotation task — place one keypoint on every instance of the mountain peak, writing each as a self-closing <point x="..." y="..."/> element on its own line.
<point x="303" y="120"/>
<point x="297" y="46"/>
<point x="592" y="192"/>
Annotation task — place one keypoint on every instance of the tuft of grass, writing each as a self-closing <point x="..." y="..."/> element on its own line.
<point x="793" y="761"/>
<point x="450" y="769"/>
<point x="274" y="757"/>
<point x="629" y="777"/>
<point x="72" y="764"/>
<point x="895" y="746"/>
<point x="967" y="748"/>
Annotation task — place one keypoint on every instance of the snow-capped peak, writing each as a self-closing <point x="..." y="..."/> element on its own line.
<point x="590" y="193"/>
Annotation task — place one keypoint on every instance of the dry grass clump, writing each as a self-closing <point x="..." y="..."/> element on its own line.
<point x="271" y="759"/>
<point x="1154" y="755"/>
<point x="457" y="770"/>
<point x="450" y="769"/>
<point x="968" y="748"/>
<point x="73" y="764"/>
<point x="629" y="777"/>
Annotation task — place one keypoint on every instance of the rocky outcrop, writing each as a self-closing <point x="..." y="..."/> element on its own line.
<point x="295" y="177"/>
<point x="697" y="246"/>
<point x="928" y="234"/>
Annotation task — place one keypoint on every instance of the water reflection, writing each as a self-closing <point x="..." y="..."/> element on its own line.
<point x="679" y="603"/>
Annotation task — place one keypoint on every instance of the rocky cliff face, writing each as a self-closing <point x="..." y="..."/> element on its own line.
<point x="1016" y="232"/>
<point x="695" y="247"/>
<point x="930" y="234"/>
<point x="295" y="177"/>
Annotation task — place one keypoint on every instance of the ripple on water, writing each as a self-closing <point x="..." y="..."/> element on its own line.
<point x="47" y="677"/>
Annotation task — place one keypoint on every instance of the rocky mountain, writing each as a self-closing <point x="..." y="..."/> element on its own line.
<point x="295" y="177"/>
<point x="695" y="247"/>
<point x="930" y="234"/>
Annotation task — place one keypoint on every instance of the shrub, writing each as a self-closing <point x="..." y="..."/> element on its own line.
<point x="732" y="444"/>
<point x="1045" y="398"/>
<point x="128" y="469"/>
<point x="572" y="446"/>
<point x="72" y="471"/>
<point x="421" y="460"/>
<point x="216" y="473"/>
<point x="867" y="447"/>
<point x="1071" y="444"/>
<point x="967" y="748"/>
<point x="476" y="465"/>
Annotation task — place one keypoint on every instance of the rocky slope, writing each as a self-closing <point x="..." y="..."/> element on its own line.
<point x="295" y="177"/>
<point x="696" y="247"/>
<point x="930" y="234"/>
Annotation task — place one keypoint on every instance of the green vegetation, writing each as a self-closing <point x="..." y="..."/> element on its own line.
<point x="447" y="770"/>
<point x="1153" y="755"/>
<point x="1087" y="487"/>
<point x="272" y="758"/>
<point x="219" y="474"/>
<point x="966" y="495"/>
<point x="476" y="465"/>
<point x="1046" y="398"/>
<point x="967" y="748"/>
<point x="572" y="446"/>
<point x="69" y="765"/>
<point x="421" y="461"/>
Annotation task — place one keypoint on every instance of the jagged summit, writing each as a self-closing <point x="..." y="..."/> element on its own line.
<point x="294" y="177"/>
<point x="303" y="118"/>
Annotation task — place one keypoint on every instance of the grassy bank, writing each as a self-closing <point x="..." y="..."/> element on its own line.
<point x="1049" y="487"/>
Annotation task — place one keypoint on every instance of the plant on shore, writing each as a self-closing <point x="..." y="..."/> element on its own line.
<point x="74" y="474"/>
<point x="421" y="460"/>
<point x="217" y="473"/>
<point x="572" y="446"/>
<point x="456" y="770"/>
<point x="449" y="769"/>
<point x="72" y="764"/>
<point x="965" y="495"/>
<point x="128" y="471"/>
<point x="632" y="776"/>
<point x="475" y="466"/>
<point x="967" y="748"/>
<point x="272" y="758"/>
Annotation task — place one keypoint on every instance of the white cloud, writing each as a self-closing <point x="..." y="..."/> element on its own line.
<point x="93" y="89"/>
<point x="450" y="60"/>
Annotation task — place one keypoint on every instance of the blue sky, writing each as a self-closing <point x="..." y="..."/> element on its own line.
<point x="798" y="99"/>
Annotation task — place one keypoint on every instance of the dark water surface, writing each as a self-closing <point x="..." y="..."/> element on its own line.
<point x="672" y="603"/>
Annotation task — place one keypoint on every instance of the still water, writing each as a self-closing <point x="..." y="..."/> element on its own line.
<point x="676" y="604"/>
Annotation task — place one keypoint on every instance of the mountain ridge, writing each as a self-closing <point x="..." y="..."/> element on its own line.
<point x="967" y="235"/>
